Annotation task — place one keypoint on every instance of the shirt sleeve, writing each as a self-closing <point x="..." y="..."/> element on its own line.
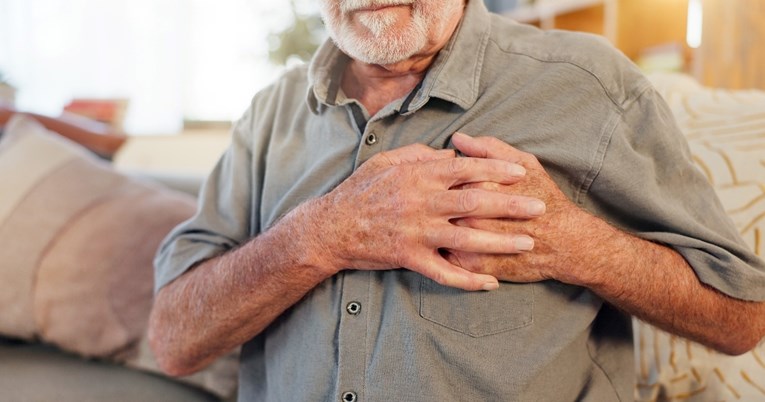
<point x="648" y="185"/>
<point x="223" y="219"/>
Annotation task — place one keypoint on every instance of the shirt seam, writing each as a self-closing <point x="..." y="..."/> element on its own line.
<point x="367" y="337"/>
<point x="603" y="371"/>
<point x="622" y="106"/>
<point x="600" y="155"/>
<point x="603" y="145"/>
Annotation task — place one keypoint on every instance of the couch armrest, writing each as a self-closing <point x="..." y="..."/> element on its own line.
<point x="35" y="372"/>
<point x="188" y="183"/>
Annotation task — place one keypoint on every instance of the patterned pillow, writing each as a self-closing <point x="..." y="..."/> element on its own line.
<point x="77" y="241"/>
<point x="726" y="134"/>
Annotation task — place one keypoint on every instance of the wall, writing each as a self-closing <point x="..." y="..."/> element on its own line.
<point x="648" y="23"/>
<point x="632" y="25"/>
<point x="732" y="54"/>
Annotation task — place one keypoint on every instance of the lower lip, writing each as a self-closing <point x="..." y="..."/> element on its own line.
<point x="370" y="10"/>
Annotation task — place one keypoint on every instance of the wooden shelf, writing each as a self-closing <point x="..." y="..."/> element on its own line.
<point x="544" y="9"/>
<point x="595" y="16"/>
<point x="633" y="26"/>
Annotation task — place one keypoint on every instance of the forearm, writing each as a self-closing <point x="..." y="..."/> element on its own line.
<point x="654" y="283"/>
<point x="645" y="279"/>
<point x="393" y="212"/>
<point x="227" y="300"/>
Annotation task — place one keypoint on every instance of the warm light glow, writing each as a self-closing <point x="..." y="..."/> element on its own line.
<point x="695" y="18"/>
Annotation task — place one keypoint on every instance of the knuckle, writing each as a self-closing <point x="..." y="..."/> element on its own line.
<point x="434" y="204"/>
<point x="530" y="159"/>
<point x="458" y="165"/>
<point x="458" y="240"/>
<point x="428" y="239"/>
<point x="468" y="200"/>
<point x="515" y="206"/>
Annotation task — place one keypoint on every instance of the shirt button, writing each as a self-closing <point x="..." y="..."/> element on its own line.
<point x="350" y="397"/>
<point x="371" y="139"/>
<point x="353" y="308"/>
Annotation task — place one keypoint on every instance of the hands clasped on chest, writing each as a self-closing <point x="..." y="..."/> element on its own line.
<point x="458" y="221"/>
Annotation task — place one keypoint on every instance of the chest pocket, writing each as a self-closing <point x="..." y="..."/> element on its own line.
<point x="477" y="313"/>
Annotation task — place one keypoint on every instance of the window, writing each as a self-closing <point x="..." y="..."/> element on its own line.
<point x="173" y="59"/>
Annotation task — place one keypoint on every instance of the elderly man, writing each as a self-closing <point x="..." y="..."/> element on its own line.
<point x="356" y="256"/>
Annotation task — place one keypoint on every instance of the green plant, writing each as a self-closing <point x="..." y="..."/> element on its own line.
<point x="299" y="40"/>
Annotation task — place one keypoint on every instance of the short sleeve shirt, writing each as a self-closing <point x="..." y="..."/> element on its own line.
<point x="601" y="131"/>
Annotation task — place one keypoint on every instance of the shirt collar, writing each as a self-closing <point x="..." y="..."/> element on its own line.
<point x="324" y="75"/>
<point x="454" y="75"/>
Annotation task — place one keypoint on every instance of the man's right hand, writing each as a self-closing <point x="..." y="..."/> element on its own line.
<point x="395" y="212"/>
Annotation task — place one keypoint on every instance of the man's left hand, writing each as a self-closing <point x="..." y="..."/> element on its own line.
<point x="560" y="235"/>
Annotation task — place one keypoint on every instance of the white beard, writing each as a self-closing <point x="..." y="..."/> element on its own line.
<point x="384" y="43"/>
<point x="377" y="24"/>
<point x="351" y="5"/>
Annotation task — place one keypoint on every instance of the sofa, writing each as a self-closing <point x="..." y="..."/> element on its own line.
<point x="78" y="238"/>
<point x="48" y="361"/>
<point x="726" y="133"/>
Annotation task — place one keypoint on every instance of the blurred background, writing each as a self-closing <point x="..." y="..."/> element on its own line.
<point x="159" y="67"/>
<point x="169" y="61"/>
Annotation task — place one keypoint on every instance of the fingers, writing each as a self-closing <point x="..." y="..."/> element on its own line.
<point x="415" y="153"/>
<point x="487" y="147"/>
<point x="457" y="171"/>
<point x="471" y="240"/>
<point x="446" y="274"/>
<point x="479" y="203"/>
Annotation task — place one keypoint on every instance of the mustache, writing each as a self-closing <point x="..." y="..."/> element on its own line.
<point x="352" y="5"/>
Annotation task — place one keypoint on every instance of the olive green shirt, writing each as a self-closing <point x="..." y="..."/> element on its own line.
<point x="601" y="131"/>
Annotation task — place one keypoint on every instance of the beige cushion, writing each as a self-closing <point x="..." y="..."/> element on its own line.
<point x="726" y="134"/>
<point x="77" y="241"/>
<point x="40" y="373"/>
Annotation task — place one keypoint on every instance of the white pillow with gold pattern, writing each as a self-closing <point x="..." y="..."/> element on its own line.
<point x="726" y="133"/>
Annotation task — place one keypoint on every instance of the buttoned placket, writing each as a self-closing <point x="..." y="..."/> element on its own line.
<point x="352" y="336"/>
<point x="354" y="332"/>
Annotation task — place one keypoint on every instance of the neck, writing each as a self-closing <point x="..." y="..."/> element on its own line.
<point x="375" y="86"/>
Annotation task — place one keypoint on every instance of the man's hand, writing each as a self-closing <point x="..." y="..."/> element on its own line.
<point x="555" y="233"/>
<point x="650" y="281"/>
<point x="396" y="211"/>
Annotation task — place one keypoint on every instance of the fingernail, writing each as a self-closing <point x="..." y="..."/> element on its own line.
<point x="536" y="208"/>
<point x="517" y="170"/>
<point x="490" y="286"/>
<point x="524" y="243"/>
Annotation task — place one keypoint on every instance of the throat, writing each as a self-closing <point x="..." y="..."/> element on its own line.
<point x="376" y="92"/>
<point x="373" y="102"/>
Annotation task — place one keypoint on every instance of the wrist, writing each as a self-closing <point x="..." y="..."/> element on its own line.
<point x="305" y="226"/>
<point x="593" y="248"/>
